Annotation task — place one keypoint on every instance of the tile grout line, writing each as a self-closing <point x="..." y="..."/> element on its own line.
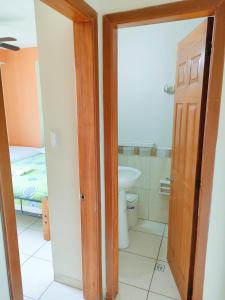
<point x="153" y="221"/>
<point x="163" y="296"/>
<point x="154" y="268"/>
<point x="146" y="232"/>
<point x="33" y="256"/>
<point x="42" y="294"/>
<point x="140" y="255"/>
<point x="134" y="286"/>
<point x="25" y="228"/>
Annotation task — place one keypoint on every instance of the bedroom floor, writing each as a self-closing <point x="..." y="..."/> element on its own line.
<point x="36" y="264"/>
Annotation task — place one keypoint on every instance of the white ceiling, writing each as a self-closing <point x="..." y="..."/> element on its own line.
<point x="17" y="19"/>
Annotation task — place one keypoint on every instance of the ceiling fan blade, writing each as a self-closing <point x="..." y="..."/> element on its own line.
<point x="7" y="39"/>
<point x="10" y="47"/>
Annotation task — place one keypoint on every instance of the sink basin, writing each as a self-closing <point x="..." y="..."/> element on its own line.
<point x="127" y="177"/>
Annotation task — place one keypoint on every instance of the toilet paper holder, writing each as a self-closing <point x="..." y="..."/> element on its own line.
<point x="165" y="186"/>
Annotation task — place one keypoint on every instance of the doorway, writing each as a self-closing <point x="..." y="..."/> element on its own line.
<point x="147" y="107"/>
<point x="85" y="33"/>
<point x="112" y="23"/>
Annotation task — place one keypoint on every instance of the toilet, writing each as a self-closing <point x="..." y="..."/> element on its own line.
<point x="132" y="209"/>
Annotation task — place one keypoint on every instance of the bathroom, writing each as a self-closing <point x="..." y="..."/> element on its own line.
<point x="146" y="86"/>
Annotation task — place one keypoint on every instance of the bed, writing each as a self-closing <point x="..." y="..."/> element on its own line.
<point x="30" y="181"/>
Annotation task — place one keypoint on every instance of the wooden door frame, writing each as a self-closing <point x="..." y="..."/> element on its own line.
<point x="152" y="15"/>
<point x="86" y="64"/>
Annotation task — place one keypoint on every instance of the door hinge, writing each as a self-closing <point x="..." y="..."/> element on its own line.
<point x="198" y="184"/>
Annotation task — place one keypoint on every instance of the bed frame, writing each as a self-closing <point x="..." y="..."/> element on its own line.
<point x="45" y="220"/>
<point x="44" y="215"/>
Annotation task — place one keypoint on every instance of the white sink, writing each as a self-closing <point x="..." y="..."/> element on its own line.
<point x="127" y="177"/>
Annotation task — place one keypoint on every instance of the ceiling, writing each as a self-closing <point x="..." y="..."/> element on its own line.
<point x="17" y="19"/>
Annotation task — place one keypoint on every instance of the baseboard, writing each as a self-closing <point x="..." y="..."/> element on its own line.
<point x="78" y="284"/>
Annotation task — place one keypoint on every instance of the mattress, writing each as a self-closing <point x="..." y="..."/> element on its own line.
<point x="18" y="153"/>
<point x="32" y="185"/>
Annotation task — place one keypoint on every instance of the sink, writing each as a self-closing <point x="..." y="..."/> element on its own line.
<point x="127" y="177"/>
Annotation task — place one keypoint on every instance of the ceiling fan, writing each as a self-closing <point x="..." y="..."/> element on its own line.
<point x="8" y="46"/>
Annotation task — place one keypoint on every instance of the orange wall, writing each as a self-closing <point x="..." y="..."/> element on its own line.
<point x="20" y="97"/>
<point x="2" y="55"/>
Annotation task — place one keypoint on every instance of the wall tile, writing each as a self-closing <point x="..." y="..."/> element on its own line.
<point x="144" y="165"/>
<point x="158" y="207"/>
<point x="152" y="206"/>
<point x="160" y="169"/>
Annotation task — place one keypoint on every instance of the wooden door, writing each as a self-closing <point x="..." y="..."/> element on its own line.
<point x="190" y="105"/>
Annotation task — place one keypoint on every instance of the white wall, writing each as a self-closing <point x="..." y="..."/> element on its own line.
<point x="4" y="287"/>
<point x="214" y="287"/>
<point x="56" y="56"/>
<point x="146" y="62"/>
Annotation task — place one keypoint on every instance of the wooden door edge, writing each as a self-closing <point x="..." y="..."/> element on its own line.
<point x="79" y="12"/>
<point x="8" y="210"/>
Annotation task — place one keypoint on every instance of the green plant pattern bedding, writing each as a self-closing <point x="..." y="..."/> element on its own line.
<point x="32" y="185"/>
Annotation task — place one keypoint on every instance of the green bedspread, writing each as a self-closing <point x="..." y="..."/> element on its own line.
<point x="33" y="184"/>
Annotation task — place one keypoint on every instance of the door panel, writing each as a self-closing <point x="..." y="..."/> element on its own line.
<point x="192" y="67"/>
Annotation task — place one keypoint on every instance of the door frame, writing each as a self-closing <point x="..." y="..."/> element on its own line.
<point x="86" y="64"/>
<point x="153" y="15"/>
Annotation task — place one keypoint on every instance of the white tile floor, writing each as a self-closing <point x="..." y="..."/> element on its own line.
<point x="144" y="273"/>
<point x="36" y="264"/>
<point x="139" y="277"/>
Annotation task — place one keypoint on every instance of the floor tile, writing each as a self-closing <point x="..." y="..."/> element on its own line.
<point x="127" y="292"/>
<point x="59" y="291"/>
<point x="144" y="244"/>
<point x="37" y="225"/>
<point x="23" y="258"/>
<point x="163" y="250"/>
<point x="20" y="229"/>
<point x="37" y="275"/>
<point x="25" y="221"/>
<point x="153" y="296"/>
<point x="30" y="241"/>
<point x="166" y="231"/>
<point x="45" y="252"/>
<point x="149" y="227"/>
<point x="135" y="270"/>
<point x="163" y="283"/>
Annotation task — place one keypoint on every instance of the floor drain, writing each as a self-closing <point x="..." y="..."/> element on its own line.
<point x="160" y="267"/>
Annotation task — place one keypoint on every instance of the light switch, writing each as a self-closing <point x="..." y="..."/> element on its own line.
<point x="54" y="139"/>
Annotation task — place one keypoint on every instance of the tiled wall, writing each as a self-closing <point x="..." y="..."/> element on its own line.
<point x="152" y="205"/>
